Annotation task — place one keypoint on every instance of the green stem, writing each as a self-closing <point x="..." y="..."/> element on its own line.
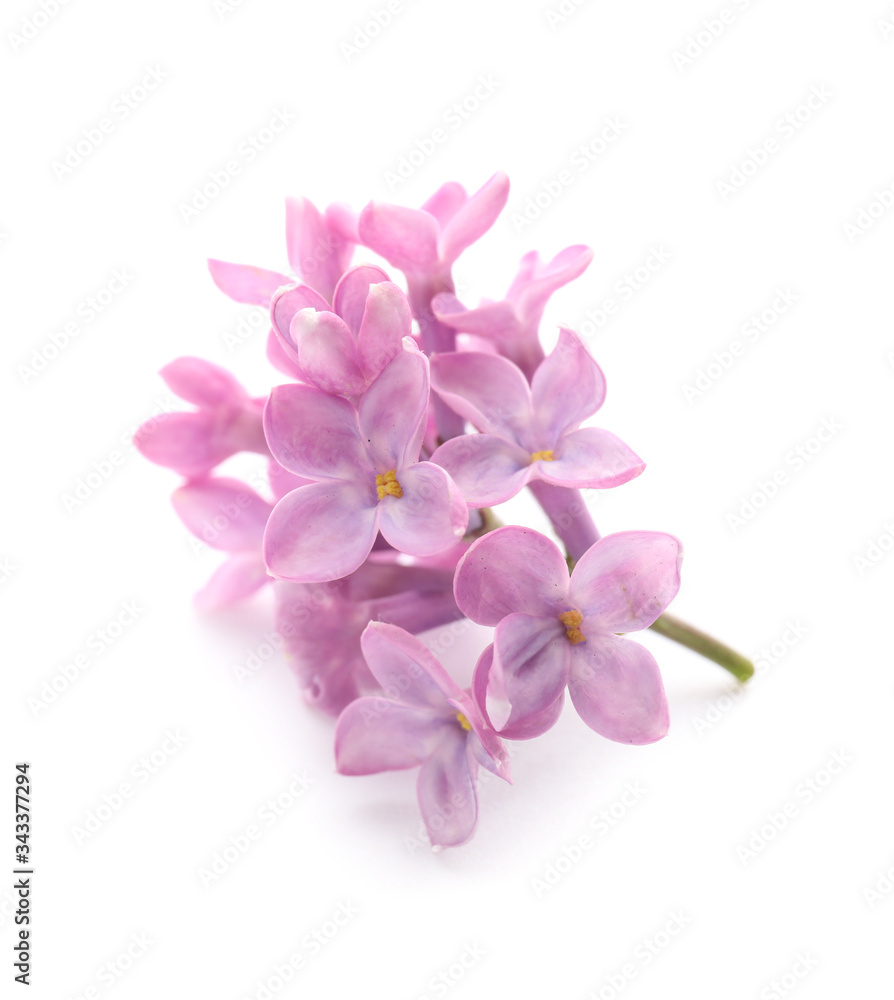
<point x="700" y="642"/>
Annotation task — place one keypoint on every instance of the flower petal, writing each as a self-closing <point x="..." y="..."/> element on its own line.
<point x="406" y="237"/>
<point x="246" y="283"/>
<point x="320" y="532"/>
<point x="624" y="581"/>
<point x="393" y="410"/>
<point x="446" y="202"/>
<point x="591" y="458"/>
<point x="531" y="294"/>
<point x="224" y="513"/>
<point x="473" y="219"/>
<point x="189" y="443"/>
<point x="616" y="687"/>
<point x="430" y="516"/>
<point x="283" y="307"/>
<point x="407" y="669"/>
<point x="377" y="734"/>
<point x="491" y="698"/>
<point x="202" y="383"/>
<point x="316" y="251"/>
<point x="281" y="360"/>
<point x="487" y="469"/>
<point x="239" y="577"/>
<point x="315" y="435"/>
<point x="495" y="320"/>
<point x="282" y="481"/>
<point x="512" y="569"/>
<point x="351" y="293"/>
<point x="327" y="353"/>
<point x="446" y="791"/>
<point x="386" y="321"/>
<point x="567" y="387"/>
<point x="487" y="390"/>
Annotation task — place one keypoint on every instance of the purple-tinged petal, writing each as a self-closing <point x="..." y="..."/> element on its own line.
<point x="386" y="321"/>
<point x="406" y="237"/>
<point x="490" y="696"/>
<point x="512" y="569"/>
<point x="285" y="305"/>
<point x="242" y="575"/>
<point x="487" y="469"/>
<point x="567" y="387"/>
<point x="320" y="532"/>
<point x="495" y="320"/>
<point x="189" y="443"/>
<point x="351" y="293"/>
<point x="315" y="435"/>
<point x="446" y="202"/>
<point x="532" y="294"/>
<point x="245" y="283"/>
<point x="282" y="481"/>
<point x="224" y="513"/>
<point x="393" y="411"/>
<point x="327" y="353"/>
<point x="376" y="734"/>
<point x="591" y="458"/>
<point x="202" y="383"/>
<point x="473" y="219"/>
<point x="282" y="361"/>
<point x="616" y="687"/>
<point x="406" y="669"/>
<point x="485" y="389"/>
<point x="430" y="516"/>
<point x="342" y="221"/>
<point x="625" y="581"/>
<point x="446" y="791"/>
<point x="317" y="251"/>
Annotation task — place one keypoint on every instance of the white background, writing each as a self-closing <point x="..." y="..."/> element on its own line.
<point x="796" y="910"/>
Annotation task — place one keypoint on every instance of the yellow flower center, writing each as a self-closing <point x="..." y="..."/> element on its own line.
<point x="571" y="620"/>
<point x="388" y="486"/>
<point x="463" y="721"/>
<point x="542" y="456"/>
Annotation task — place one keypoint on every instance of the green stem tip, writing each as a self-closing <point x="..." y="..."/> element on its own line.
<point x="673" y="628"/>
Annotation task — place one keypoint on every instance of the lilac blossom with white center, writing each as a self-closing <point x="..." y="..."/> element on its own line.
<point x="227" y="420"/>
<point x="513" y="324"/>
<point x="529" y="432"/>
<point x="554" y="631"/>
<point x="227" y="515"/>
<point x="423" y="720"/>
<point x="367" y="476"/>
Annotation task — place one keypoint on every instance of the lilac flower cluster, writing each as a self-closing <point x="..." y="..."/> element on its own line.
<point x="403" y="416"/>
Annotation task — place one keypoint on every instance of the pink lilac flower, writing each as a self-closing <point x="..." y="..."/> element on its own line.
<point x="342" y="349"/>
<point x="529" y="432"/>
<point x="554" y="631"/>
<point x="226" y="422"/>
<point x="423" y="720"/>
<point x="319" y="249"/>
<point x="367" y="476"/>
<point x="227" y="515"/>
<point x="513" y="324"/>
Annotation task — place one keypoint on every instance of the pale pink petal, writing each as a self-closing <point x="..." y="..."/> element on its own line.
<point x="446" y="791"/>
<point x="473" y="219"/>
<point x="351" y="292"/>
<point x="393" y="411"/>
<point x="430" y="516"/>
<point x="406" y="669"/>
<point x="224" y="513"/>
<point x="281" y="360"/>
<point x="616" y="687"/>
<point x="528" y="266"/>
<point x="376" y="734"/>
<point x="342" y="221"/>
<point x="591" y="458"/>
<point x="283" y="308"/>
<point x="326" y="352"/>
<point x="487" y="390"/>
<point x="624" y="581"/>
<point x="316" y="250"/>
<point x="490" y="696"/>
<point x="495" y="320"/>
<point x="406" y="237"/>
<point x="315" y="435"/>
<point x="320" y="532"/>
<point x="487" y="469"/>
<point x="245" y="283"/>
<point x="446" y="202"/>
<point x="189" y="443"/>
<point x="567" y="265"/>
<point x="567" y="387"/>
<point x="386" y="321"/>
<point x="242" y="575"/>
<point x="202" y="383"/>
<point x="282" y="481"/>
<point x="512" y="569"/>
